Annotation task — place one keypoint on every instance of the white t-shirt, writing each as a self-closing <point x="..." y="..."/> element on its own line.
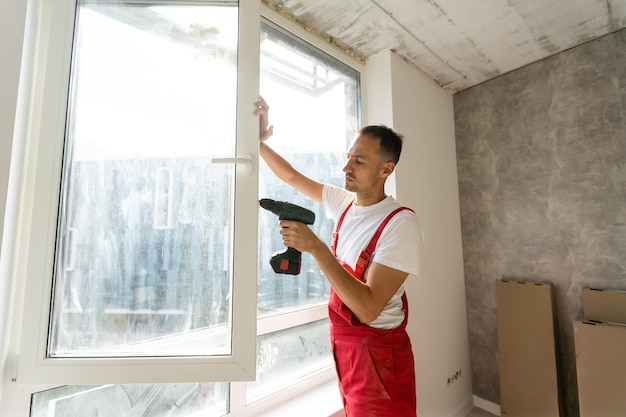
<point x="399" y="246"/>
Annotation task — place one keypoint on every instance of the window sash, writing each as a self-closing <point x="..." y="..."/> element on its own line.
<point x="37" y="232"/>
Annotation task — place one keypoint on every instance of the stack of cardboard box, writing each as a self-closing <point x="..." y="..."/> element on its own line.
<point x="600" y="340"/>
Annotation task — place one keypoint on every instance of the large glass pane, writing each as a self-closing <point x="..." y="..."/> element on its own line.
<point x="289" y="356"/>
<point x="158" y="400"/>
<point x="314" y="101"/>
<point x="143" y="256"/>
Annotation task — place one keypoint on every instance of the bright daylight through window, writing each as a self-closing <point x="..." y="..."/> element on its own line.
<point x="144" y="241"/>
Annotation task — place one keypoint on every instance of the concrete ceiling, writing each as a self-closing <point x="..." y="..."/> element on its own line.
<point x="459" y="43"/>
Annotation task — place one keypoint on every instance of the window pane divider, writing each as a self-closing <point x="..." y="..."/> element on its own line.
<point x="278" y="322"/>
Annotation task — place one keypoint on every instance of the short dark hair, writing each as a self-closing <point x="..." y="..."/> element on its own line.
<point x="390" y="141"/>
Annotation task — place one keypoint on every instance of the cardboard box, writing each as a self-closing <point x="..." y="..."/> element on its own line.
<point x="600" y="368"/>
<point x="604" y="305"/>
<point x="527" y="350"/>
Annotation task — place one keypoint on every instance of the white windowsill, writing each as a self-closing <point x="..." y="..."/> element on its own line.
<point x="323" y="401"/>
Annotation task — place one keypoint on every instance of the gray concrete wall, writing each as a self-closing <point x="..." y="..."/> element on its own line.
<point x="541" y="158"/>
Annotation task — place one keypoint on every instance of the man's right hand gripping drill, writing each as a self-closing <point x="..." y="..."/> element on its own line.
<point x="288" y="261"/>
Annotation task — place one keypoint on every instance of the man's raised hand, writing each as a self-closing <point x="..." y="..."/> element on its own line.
<point x="262" y="110"/>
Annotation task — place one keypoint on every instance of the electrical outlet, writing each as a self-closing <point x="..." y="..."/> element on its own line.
<point x="455" y="376"/>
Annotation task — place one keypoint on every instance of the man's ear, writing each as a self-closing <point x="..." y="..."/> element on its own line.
<point x="388" y="168"/>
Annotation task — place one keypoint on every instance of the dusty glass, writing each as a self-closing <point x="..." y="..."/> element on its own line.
<point x="286" y="357"/>
<point x="314" y="106"/>
<point x="129" y="400"/>
<point x="143" y="255"/>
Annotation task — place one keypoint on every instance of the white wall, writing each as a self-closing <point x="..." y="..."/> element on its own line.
<point x="402" y="97"/>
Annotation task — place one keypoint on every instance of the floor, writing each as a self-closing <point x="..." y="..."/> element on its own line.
<point x="478" y="412"/>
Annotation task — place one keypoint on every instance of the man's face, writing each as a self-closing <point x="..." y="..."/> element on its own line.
<point x="364" y="169"/>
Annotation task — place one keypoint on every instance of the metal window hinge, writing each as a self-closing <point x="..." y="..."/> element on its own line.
<point x="16" y="359"/>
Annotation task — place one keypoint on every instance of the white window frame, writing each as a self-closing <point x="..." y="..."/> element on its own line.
<point x="39" y="205"/>
<point x="48" y="66"/>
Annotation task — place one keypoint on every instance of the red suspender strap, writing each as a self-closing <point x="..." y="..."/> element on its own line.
<point x="333" y="244"/>
<point x="365" y="256"/>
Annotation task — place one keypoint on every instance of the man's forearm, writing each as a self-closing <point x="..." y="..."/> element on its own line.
<point x="288" y="174"/>
<point x="354" y="293"/>
<point x="279" y="165"/>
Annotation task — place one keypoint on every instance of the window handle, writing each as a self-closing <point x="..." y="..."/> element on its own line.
<point x="245" y="161"/>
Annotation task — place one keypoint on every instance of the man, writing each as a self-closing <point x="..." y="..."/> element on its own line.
<point x="376" y="241"/>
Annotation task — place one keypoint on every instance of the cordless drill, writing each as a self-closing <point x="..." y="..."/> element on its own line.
<point x="289" y="260"/>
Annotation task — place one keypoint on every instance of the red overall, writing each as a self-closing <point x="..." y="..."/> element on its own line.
<point x="374" y="366"/>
